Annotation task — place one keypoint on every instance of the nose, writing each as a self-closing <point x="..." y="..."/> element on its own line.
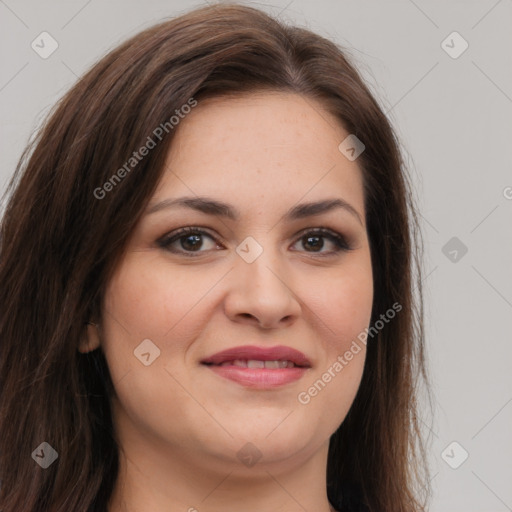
<point x="261" y="293"/>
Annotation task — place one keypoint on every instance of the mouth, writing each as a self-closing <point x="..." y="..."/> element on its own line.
<point x="255" y="363"/>
<point x="259" y="367"/>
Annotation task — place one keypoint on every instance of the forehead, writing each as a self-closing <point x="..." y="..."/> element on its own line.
<point x="263" y="147"/>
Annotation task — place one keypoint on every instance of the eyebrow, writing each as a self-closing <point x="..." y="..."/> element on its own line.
<point x="218" y="208"/>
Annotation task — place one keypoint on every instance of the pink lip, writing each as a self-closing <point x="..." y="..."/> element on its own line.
<point x="259" y="378"/>
<point x="248" y="352"/>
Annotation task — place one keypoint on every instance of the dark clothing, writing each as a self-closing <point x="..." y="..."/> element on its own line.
<point x="347" y="499"/>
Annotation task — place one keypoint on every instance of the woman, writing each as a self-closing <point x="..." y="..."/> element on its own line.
<point x="207" y="292"/>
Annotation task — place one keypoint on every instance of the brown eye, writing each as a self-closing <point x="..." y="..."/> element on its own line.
<point x="314" y="241"/>
<point x="187" y="240"/>
<point x="193" y="241"/>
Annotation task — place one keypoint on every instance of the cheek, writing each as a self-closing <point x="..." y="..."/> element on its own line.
<point x="143" y="303"/>
<point x="348" y="311"/>
<point x="149" y="301"/>
<point x="343" y="301"/>
<point x="342" y="304"/>
<point x="147" y="310"/>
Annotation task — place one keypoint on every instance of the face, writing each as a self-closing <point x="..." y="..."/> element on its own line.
<point x="261" y="276"/>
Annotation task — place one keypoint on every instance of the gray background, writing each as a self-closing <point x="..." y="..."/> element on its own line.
<point x="453" y="116"/>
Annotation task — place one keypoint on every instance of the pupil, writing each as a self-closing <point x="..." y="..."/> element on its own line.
<point x="194" y="245"/>
<point x="319" y="241"/>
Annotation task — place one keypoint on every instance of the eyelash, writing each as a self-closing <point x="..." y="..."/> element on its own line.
<point x="339" y="240"/>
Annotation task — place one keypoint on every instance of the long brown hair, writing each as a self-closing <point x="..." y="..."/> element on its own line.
<point x="61" y="238"/>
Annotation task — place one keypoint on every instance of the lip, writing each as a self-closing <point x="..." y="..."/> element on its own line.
<point x="259" y="378"/>
<point x="254" y="352"/>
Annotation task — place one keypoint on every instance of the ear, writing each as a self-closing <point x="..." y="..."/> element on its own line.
<point x="91" y="339"/>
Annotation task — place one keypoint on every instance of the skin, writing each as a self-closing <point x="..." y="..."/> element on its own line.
<point x="180" y="426"/>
